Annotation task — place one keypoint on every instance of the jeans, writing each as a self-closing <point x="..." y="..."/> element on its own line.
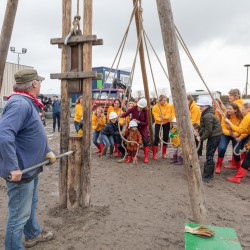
<point x="76" y="124"/>
<point x="57" y="116"/>
<point x="166" y="129"/>
<point x="23" y="198"/>
<point x="223" y="146"/>
<point x="96" y="135"/>
<point x="212" y="145"/>
<point x="108" y="141"/>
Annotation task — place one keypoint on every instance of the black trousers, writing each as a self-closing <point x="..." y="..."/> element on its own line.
<point x="166" y="129"/>
<point x="246" y="163"/>
<point x="212" y="145"/>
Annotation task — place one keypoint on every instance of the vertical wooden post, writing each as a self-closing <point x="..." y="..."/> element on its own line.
<point x="182" y="112"/>
<point x="65" y="108"/>
<point x="74" y="173"/>
<point x="144" y="72"/>
<point x="87" y="106"/>
<point x="8" y="23"/>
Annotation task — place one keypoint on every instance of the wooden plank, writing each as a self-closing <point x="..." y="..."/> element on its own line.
<point x="65" y="108"/>
<point x="185" y="127"/>
<point x="6" y="32"/>
<point x="74" y="39"/>
<point x="73" y="75"/>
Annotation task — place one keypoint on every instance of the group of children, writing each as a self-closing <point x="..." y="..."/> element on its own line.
<point x="211" y="122"/>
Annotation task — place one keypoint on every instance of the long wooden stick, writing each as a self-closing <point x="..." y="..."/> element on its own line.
<point x="65" y="109"/>
<point x="143" y="69"/>
<point x="6" y="33"/>
<point x="178" y="91"/>
<point x="87" y="93"/>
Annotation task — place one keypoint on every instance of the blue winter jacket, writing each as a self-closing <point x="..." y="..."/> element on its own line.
<point x="56" y="106"/>
<point x="23" y="141"/>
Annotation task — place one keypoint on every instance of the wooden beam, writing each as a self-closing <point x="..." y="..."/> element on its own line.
<point x="74" y="39"/>
<point x="65" y="108"/>
<point x="6" y="32"/>
<point x="73" y="75"/>
<point x="87" y="107"/>
<point x="178" y="91"/>
<point x="144" y="73"/>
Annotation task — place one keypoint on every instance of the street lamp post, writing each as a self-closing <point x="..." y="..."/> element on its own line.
<point x="13" y="50"/>
<point x="247" y="65"/>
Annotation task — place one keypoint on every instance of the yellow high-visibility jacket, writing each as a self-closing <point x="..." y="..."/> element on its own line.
<point x="195" y="113"/>
<point x="117" y="111"/>
<point x="78" y="112"/>
<point x="101" y="123"/>
<point x="244" y="126"/>
<point x="226" y="128"/>
<point x="239" y="102"/>
<point x="167" y="111"/>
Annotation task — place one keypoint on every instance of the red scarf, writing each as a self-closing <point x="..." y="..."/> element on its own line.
<point x="27" y="94"/>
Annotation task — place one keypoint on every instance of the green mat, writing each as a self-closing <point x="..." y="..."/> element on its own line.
<point x="225" y="238"/>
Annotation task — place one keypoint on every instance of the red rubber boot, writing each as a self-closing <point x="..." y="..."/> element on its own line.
<point x="155" y="149"/>
<point x="101" y="148"/>
<point x="146" y="152"/>
<point x="164" y="152"/>
<point x="238" y="176"/>
<point x="232" y="165"/>
<point x="218" y="165"/>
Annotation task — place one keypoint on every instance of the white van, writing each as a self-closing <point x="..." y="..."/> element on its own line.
<point x="197" y="94"/>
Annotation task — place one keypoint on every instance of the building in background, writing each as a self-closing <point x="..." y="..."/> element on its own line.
<point x="8" y="81"/>
<point x="102" y="83"/>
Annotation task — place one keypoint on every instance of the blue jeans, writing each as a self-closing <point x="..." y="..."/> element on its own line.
<point x="22" y="204"/>
<point x="76" y="124"/>
<point x="56" y="116"/>
<point x="108" y="141"/>
<point x="223" y="146"/>
<point x="96" y="135"/>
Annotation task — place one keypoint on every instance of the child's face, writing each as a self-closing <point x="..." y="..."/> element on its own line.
<point x="133" y="128"/>
<point x="174" y="125"/>
<point x="113" y="120"/>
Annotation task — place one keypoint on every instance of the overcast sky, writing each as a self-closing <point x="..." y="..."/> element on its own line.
<point x="217" y="34"/>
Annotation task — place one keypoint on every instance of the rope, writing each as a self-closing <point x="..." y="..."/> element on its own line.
<point x="121" y="48"/>
<point x="180" y="39"/>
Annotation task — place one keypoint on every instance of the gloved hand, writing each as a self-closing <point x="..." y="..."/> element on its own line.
<point x="200" y="231"/>
<point x="51" y="157"/>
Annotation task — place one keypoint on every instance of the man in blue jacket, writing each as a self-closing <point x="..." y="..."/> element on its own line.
<point x="56" y="109"/>
<point x="23" y="144"/>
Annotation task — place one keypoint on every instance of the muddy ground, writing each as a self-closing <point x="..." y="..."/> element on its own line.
<point x="134" y="207"/>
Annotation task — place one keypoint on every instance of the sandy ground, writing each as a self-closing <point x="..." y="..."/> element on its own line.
<point x="134" y="207"/>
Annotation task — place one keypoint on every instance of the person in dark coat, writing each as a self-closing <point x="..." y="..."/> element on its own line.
<point x="108" y="133"/>
<point x="210" y="130"/>
<point x="140" y="115"/>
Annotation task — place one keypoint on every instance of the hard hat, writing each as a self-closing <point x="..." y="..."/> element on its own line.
<point x="204" y="101"/>
<point x="112" y="115"/>
<point x="142" y="103"/>
<point x="174" y="120"/>
<point x="133" y="124"/>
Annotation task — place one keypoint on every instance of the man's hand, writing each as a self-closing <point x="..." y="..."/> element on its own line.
<point x="51" y="157"/>
<point x="15" y="175"/>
